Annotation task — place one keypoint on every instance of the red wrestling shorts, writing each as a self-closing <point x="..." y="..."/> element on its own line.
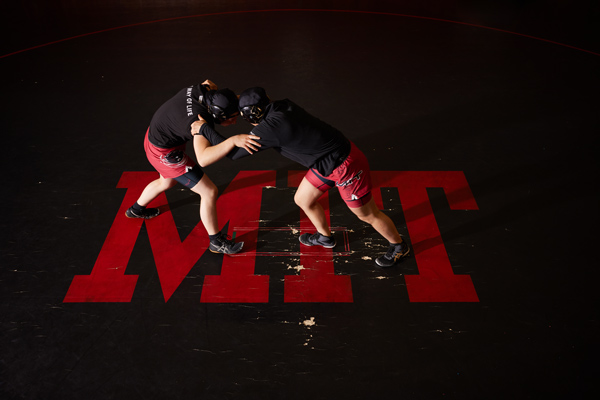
<point x="170" y="163"/>
<point x="352" y="178"/>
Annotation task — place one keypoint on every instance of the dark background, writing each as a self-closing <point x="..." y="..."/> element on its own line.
<point x="418" y="87"/>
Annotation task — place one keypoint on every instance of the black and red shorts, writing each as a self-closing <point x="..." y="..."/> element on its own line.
<point x="173" y="163"/>
<point x="352" y="178"/>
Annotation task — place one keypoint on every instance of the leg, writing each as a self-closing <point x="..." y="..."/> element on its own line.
<point x="398" y="249"/>
<point x="306" y="198"/>
<point x="219" y="242"/>
<point x="370" y="214"/>
<point x="155" y="188"/>
<point x="208" y="204"/>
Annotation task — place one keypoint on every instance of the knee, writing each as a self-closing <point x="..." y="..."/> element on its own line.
<point x="210" y="192"/>
<point x="298" y="200"/>
<point x="170" y="184"/>
<point x="164" y="184"/>
<point x="370" y="217"/>
<point x="301" y="201"/>
<point x="366" y="218"/>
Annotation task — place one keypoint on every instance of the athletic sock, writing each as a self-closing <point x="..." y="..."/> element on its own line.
<point x="213" y="238"/>
<point x="137" y="207"/>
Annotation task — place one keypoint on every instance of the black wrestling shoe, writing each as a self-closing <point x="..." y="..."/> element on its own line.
<point x="395" y="253"/>
<point x="317" y="240"/>
<point x="223" y="244"/>
<point x="146" y="213"/>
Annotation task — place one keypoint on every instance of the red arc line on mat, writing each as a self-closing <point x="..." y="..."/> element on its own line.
<point x="301" y="9"/>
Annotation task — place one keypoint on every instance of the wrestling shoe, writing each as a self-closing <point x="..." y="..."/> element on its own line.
<point x="146" y="213"/>
<point x="395" y="253"/>
<point x="223" y="244"/>
<point x="317" y="240"/>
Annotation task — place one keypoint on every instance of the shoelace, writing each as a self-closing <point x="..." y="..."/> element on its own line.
<point x="392" y="250"/>
<point x="227" y="239"/>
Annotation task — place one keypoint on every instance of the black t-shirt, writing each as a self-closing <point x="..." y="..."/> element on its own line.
<point x="299" y="136"/>
<point x="170" y="125"/>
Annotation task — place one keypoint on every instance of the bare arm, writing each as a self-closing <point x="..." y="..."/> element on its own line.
<point x="211" y="85"/>
<point x="207" y="154"/>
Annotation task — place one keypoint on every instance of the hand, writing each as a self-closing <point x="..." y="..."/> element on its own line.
<point x="248" y="142"/>
<point x="196" y="125"/>
<point x="210" y="84"/>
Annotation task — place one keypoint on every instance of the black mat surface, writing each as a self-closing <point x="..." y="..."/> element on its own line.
<point x="504" y="119"/>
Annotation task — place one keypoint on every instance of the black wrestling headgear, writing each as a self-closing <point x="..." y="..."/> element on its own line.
<point x="252" y="104"/>
<point x="222" y="104"/>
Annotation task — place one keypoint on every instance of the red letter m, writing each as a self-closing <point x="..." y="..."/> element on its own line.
<point x="174" y="258"/>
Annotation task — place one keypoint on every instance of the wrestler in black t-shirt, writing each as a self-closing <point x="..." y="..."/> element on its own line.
<point x="294" y="133"/>
<point x="170" y="125"/>
<point x="165" y="143"/>
<point x="333" y="161"/>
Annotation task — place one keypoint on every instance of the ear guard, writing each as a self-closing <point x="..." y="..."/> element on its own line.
<point x="218" y="113"/>
<point x="222" y="104"/>
<point x="253" y="103"/>
<point x="252" y="114"/>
